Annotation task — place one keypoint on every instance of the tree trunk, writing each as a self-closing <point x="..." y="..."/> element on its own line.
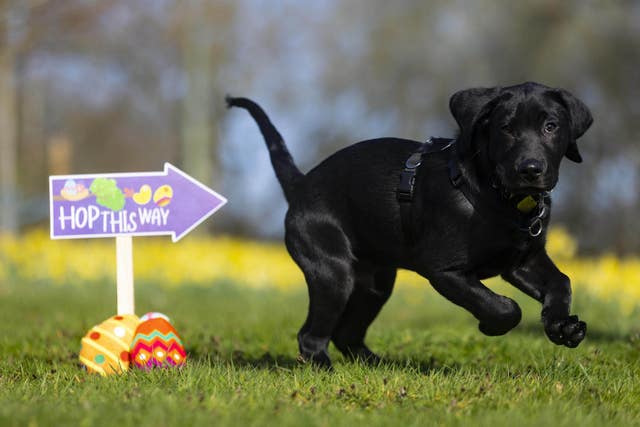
<point x="197" y="129"/>
<point x="8" y="146"/>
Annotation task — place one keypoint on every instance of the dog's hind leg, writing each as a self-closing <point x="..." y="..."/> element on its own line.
<point x="323" y="253"/>
<point x="371" y="291"/>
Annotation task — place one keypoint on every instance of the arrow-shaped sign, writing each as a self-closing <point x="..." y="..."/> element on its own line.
<point x="129" y="204"/>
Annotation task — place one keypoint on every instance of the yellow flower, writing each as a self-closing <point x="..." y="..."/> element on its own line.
<point x="197" y="260"/>
<point x="560" y="244"/>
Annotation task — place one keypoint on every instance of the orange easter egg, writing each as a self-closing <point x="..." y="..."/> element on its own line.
<point x="156" y="343"/>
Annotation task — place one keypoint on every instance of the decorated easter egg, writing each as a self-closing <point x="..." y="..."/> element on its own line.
<point x="74" y="192"/>
<point x="154" y="315"/>
<point x="156" y="343"/>
<point x="163" y="195"/>
<point x="105" y="348"/>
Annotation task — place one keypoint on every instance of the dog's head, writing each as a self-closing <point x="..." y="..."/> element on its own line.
<point x="519" y="134"/>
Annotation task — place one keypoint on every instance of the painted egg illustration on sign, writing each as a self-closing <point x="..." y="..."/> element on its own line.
<point x="163" y="195"/>
<point x="105" y="348"/>
<point x="73" y="192"/>
<point x="156" y="343"/>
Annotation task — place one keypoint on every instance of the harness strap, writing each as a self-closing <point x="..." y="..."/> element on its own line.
<point x="406" y="186"/>
<point x="408" y="177"/>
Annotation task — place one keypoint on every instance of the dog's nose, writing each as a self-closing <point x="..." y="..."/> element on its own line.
<point x="530" y="169"/>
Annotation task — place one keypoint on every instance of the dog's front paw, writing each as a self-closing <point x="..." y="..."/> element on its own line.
<point x="569" y="331"/>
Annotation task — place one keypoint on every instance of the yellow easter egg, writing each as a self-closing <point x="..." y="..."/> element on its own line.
<point x="163" y="195"/>
<point x="105" y="348"/>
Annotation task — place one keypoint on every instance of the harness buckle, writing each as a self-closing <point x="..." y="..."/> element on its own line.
<point x="413" y="161"/>
<point x="407" y="182"/>
<point x="408" y="177"/>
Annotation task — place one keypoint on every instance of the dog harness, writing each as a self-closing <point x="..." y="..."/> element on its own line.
<point x="408" y="175"/>
<point x="530" y="211"/>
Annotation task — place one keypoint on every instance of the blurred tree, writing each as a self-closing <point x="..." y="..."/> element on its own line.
<point x="8" y="143"/>
<point x="197" y="60"/>
<point x="201" y="27"/>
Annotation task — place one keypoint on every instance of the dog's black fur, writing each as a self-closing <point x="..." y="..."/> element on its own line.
<point x="344" y="227"/>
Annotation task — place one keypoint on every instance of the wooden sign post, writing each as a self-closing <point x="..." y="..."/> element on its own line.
<point x="124" y="278"/>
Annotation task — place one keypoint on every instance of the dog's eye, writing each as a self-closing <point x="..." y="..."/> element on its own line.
<point x="550" y="127"/>
<point x="506" y="128"/>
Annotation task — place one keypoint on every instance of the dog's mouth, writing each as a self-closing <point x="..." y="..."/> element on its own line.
<point x="521" y="188"/>
<point x="530" y="190"/>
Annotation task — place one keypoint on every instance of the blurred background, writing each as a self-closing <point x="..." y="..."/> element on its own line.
<point x="125" y="85"/>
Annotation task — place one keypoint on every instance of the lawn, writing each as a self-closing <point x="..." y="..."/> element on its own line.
<point x="242" y="367"/>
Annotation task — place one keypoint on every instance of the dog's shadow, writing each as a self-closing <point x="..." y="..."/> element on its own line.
<point x="599" y="336"/>
<point x="241" y="359"/>
<point x="418" y="366"/>
<point x="268" y="361"/>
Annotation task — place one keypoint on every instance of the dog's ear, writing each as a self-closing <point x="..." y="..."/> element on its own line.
<point x="572" y="152"/>
<point x="580" y="118"/>
<point x="469" y="107"/>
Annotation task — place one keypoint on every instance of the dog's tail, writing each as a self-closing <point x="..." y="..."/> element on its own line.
<point x="286" y="171"/>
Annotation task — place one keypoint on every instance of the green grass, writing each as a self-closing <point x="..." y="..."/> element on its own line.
<point x="243" y="371"/>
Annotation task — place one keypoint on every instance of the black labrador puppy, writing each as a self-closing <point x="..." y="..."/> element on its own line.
<point x="454" y="211"/>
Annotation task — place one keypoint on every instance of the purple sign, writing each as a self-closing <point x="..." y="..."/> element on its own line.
<point x="135" y="204"/>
